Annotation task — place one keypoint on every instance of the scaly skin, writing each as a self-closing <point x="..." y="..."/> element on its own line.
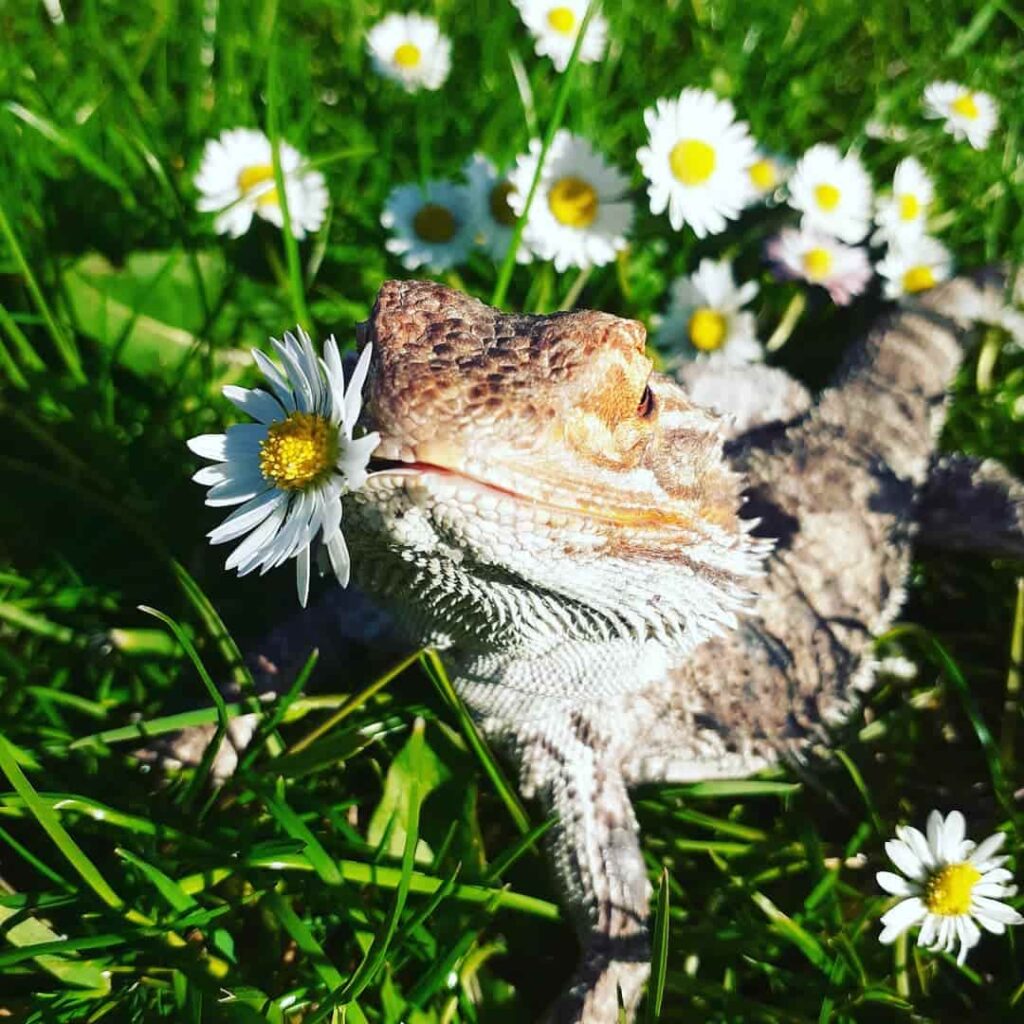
<point x="631" y="588"/>
<point x="582" y="546"/>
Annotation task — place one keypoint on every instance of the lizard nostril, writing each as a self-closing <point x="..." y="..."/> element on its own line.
<point x="646" y="406"/>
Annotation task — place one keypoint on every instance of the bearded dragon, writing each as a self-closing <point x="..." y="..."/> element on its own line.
<point x="631" y="588"/>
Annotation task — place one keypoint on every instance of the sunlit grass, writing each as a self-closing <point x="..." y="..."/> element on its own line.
<point x="370" y="852"/>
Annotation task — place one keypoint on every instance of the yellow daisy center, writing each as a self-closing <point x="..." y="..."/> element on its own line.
<point x="574" y="202"/>
<point x="817" y="263"/>
<point x="500" y="209"/>
<point x="909" y="206"/>
<point x="434" y="223"/>
<point x="965" y="106"/>
<point x="948" y="892"/>
<point x="561" y="19"/>
<point x="252" y="177"/>
<point x="692" y="161"/>
<point x="408" y="56"/>
<point x="918" y="279"/>
<point x="298" y="451"/>
<point x="764" y="175"/>
<point x="827" y="196"/>
<point x="707" y="329"/>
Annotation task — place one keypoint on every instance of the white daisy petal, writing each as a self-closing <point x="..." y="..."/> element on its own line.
<point x="246" y="482"/>
<point x="895" y="884"/>
<point x="697" y="161"/>
<point x="430" y="227"/>
<point x="903" y="916"/>
<point x="950" y="897"/>
<point x="254" y="402"/>
<point x="967" y="113"/>
<point x="411" y="50"/>
<point x="337" y="551"/>
<point x="302" y="575"/>
<point x="555" y="26"/>
<point x="905" y="859"/>
<point x="236" y="181"/>
<point x="580" y="215"/>
<point x="833" y="192"/>
<point x="288" y="472"/>
<point x="246" y="518"/>
<point x="704" y="321"/>
<point x="986" y="849"/>
<point x="816" y="257"/>
<point x="918" y="845"/>
<point x="209" y="446"/>
<point x="929" y="931"/>
<point x="914" y="265"/>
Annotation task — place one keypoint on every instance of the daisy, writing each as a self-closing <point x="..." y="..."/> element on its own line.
<point x="950" y="884"/>
<point x="410" y="49"/>
<point x="493" y="215"/>
<point x="555" y="24"/>
<point x="842" y="270"/>
<point x="833" y="192"/>
<point x="697" y="161"/>
<point x="914" y="265"/>
<point x="766" y="176"/>
<point x="705" y="317"/>
<point x="903" y="214"/>
<point x="236" y="180"/>
<point x="967" y="114"/>
<point x="288" y="470"/>
<point x="432" y="227"/>
<point x="578" y="217"/>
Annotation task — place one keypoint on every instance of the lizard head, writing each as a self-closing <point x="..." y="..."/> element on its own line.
<point x="533" y="469"/>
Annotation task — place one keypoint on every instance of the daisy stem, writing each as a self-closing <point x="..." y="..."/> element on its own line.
<point x="900" y="965"/>
<point x="987" y="360"/>
<point x="291" y="245"/>
<point x="575" y="289"/>
<point x="1011" y="702"/>
<point x="787" y="323"/>
<point x="557" y="114"/>
<point x="423" y="137"/>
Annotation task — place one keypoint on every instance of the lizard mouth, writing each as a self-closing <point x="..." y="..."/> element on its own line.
<point x="635" y="512"/>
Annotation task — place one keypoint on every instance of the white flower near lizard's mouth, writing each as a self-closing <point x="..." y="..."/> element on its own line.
<point x="493" y="216"/>
<point x="555" y="25"/>
<point x="432" y="227"/>
<point x="288" y="471"/>
<point x="236" y="180"/>
<point x="816" y="257"/>
<point x="914" y="265"/>
<point x="410" y="49"/>
<point x="579" y="216"/>
<point x="697" y="161"/>
<point x="705" y="317"/>
<point x="904" y="214"/>
<point x="966" y="113"/>
<point x="949" y="886"/>
<point x="833" y="192"/>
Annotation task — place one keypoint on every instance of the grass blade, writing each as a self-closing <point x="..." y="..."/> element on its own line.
<point x="659" y="951"/>
<point x="43" y="812"/>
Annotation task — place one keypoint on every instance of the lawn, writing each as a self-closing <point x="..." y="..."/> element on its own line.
<point x="364" y="856"/>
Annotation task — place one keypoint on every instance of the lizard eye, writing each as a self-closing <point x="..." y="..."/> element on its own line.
<point x="646" y="405"/>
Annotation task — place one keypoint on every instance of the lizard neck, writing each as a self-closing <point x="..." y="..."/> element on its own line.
<point x="569" y="672"/>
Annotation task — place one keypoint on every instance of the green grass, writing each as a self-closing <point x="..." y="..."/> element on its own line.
<point x="362" y="859"/>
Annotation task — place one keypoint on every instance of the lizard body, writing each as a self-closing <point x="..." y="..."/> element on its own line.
<point x="626" y="599"/>
<point x="630" y="588"/>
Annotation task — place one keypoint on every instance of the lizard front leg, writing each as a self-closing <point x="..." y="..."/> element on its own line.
<point x="972" y="505"/>
<point x="569" y="762"/>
